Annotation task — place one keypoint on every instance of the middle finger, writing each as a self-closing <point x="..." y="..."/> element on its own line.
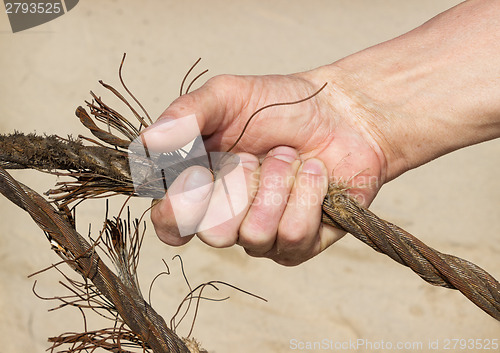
<point x="259" y="228"/>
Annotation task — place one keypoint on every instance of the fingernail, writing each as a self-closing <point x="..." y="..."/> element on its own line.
<point x="286" y="154"/>
<point x="313" y="166"/>
<point x="197" y="185"/>
<point x="250" y="164"/>
<point x="153" y="137"/>
<point x="162" y="125"/>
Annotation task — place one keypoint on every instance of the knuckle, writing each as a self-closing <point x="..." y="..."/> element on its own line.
<point x="254" y="241"/>
<point x="223" y="81"/>
<point x="292" y="233"/>
<point x="218" y="237"/>
<point x="220" y="242"/>
<point x="180" y="103"/>
<point x="262" y="220"/>
<point x="156" y="217"/>
<point x="169" y="237"/>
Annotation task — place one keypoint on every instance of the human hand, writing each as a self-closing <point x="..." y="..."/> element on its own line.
<point x="289" y="154"/>
<point x="385" y="110"/>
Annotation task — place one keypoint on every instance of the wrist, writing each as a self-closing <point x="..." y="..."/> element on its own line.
<point x="377" y="101"/>
<point x="428" y="92"/>
<point x="348" y="96"/>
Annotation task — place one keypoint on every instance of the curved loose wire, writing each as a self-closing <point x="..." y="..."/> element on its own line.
<point x="269" y="106"/>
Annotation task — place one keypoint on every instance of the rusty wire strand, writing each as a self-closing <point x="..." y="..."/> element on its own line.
<point x="128" y="91"/>
<point x="139" y="316"/>
<point x="100" y="179"/>
<point x="341" y="211"/>
<point x="270" y="106"/>
<point x="181" y="91"/>
<point x="100" y="171"/>
<point x="195" y="79"/>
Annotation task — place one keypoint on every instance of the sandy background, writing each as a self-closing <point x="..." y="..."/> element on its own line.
<point x="347" y="293"/>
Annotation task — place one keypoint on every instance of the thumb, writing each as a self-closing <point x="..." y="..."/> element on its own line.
<point x="184" y="206"/>
<point x="199" y="112"/>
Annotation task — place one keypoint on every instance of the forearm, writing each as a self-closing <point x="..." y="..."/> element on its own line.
<point x="430" y="91"/>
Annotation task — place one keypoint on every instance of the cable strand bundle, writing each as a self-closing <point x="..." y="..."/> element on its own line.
<point x="102" y="170"/>
<point x="431" y="265"/>
<point x="338" y="210"/>
<point x="135" y="312"/>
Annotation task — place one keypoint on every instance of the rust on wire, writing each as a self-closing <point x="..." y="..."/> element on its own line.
<point x="102" y="170"/>
<point x="148" y="326"/>
<point x="341" y="211"/>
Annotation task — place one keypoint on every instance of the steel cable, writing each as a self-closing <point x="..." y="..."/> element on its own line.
<point x="433" y="266"/>
<point x="142" y="319"/>
<point x="93" y="177"/>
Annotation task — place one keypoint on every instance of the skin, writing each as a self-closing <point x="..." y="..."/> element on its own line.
<point x="384" y="111"/>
